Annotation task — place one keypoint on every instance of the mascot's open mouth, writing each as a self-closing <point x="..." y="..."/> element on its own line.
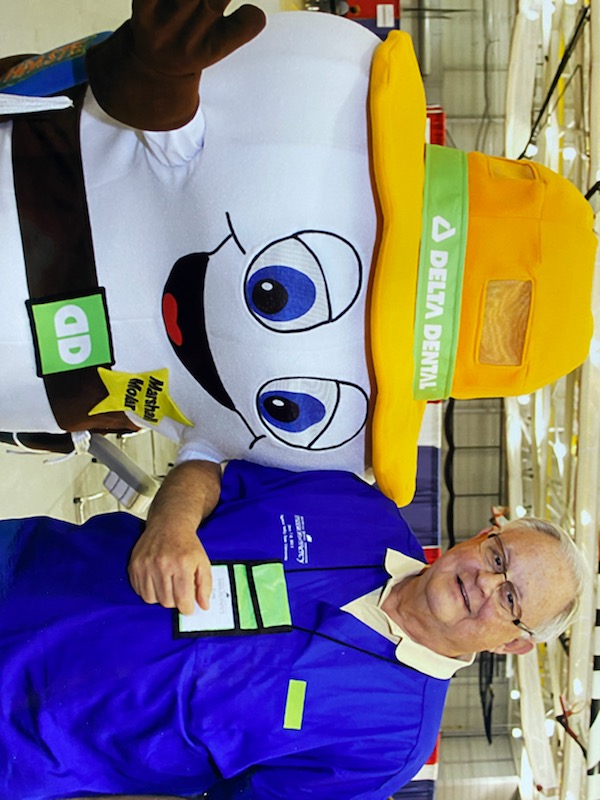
<point x="183" y="315"/>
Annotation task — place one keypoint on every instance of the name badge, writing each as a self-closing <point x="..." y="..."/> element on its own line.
<point x="70" y="333"/>
<point x="247" y="597"/>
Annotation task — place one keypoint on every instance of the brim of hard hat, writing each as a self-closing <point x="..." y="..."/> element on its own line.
<point x="398" y="119"/>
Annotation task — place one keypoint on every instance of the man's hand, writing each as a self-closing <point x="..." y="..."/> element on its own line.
<point x="169" y="564"/>
<point x="146" y="74"/>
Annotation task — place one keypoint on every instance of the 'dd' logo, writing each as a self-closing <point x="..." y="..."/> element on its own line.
<point x="71" y="333"/>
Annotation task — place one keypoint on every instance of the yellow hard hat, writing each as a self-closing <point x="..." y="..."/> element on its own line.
<point x="483" y="273"/>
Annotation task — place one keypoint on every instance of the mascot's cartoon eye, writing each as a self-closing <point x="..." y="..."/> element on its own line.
<point x="280" y="293"/>
<point x="303" y="281"/>
<point x="312" y="413"/>
<point x="291" y="411"/>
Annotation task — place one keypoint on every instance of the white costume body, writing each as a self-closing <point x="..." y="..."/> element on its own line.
<point x="279" y="147"/>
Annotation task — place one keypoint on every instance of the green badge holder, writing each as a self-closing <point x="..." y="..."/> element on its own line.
<point x="248" y="597"/>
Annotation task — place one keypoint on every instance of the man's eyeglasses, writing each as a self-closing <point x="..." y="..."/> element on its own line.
<point x="494" y="559"/>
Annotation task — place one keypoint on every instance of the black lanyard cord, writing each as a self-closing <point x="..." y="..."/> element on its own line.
<point x="393" y="661"/>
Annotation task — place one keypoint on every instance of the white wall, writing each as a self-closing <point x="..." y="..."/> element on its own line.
<point x="30" y="26"/>
<point x="34" y="26"/>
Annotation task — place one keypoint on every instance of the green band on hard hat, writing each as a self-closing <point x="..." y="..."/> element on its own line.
<point x="441" y="266"/>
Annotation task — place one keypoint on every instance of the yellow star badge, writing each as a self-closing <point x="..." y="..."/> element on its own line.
<point x="144" y="393"/>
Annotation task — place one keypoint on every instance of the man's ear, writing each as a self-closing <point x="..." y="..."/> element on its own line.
<point x="518" y="646"/>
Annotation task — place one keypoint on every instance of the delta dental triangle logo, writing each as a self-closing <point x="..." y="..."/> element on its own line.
<point x="441" y="229"/>
<point x="438" y="273"/>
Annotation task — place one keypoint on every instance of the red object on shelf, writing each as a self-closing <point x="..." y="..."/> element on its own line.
<point x="433" y="758"/>
<point x="436" y="125"/>
<point x="432" y="553"/>
<point x="367" y="9"/>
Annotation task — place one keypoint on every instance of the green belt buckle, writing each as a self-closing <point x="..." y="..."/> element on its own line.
<point x="70" y="333"/>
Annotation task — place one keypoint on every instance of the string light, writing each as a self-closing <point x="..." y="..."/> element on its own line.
<point x="551" y="137"/>
<point x="560" y="450"/>
<point x="526" y="778"/>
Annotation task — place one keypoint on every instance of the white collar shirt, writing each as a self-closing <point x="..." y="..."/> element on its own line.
<point x="369" y="611"/>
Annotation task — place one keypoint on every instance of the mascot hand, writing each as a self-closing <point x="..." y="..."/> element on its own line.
<point x="147" y="73"/>
<point x="181" y="37"/>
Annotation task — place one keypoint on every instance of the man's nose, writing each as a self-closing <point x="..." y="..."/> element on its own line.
<point x="488" y="582"/>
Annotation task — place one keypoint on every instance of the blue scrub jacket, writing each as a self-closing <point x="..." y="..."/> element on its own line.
<point x="98" y="696"/>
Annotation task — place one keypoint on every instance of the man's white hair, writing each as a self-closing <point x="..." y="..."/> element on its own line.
<point x="573" y="563"/>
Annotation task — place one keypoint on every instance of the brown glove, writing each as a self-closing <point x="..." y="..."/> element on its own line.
<point x="147" y="73"/>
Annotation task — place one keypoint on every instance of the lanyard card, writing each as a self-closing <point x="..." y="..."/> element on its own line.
<point x="248" y="597"/>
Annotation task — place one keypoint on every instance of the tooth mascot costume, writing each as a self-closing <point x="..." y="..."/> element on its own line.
<point x="237" y="237"/>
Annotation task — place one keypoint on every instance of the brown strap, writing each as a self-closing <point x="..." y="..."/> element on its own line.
<point x="57" y="244"/>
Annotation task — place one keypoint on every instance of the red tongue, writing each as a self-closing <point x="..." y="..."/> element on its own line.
<point x="169" y="311"/>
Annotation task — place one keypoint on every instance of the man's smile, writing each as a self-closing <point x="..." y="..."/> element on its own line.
<point x="463" y="591"/>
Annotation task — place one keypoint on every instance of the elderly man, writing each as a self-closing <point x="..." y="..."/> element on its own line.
<point x="322" y="665"/>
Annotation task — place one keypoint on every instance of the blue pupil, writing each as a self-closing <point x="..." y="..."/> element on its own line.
<point x="291" y="411"/>
<point x="280" y="293"/>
